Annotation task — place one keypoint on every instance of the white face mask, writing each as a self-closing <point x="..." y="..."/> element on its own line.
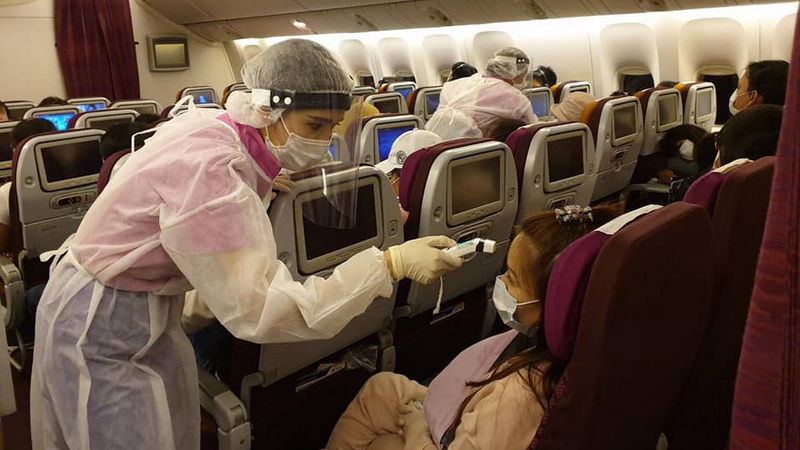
<point x="733" y="109"/>
<point x="686" y="150"/>
<point x="299" y="153"/>
<point x="506" y="306"/>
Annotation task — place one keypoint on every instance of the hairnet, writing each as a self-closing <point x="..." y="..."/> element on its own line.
<point x="508" y="63"/>
<point x="289" y="74"/>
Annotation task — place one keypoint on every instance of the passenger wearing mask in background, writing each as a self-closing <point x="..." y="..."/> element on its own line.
<point x="543" y="76"/>
<point x="3" y="112"/>
<point x="571" y="108"/>
<point x="763" y="82"/>
<point x="461" y="70"/>
<point x="112" y="367"/>
<point x="53" y="101"/>
<point x="405" y="145"/>
<point x="467" y="105"/>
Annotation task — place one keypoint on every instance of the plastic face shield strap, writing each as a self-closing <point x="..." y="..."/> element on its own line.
<point x="335" y="202"/>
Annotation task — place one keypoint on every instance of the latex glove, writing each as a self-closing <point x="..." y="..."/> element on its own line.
<point x="282" y="183"/>
<point x="421" y="260"/>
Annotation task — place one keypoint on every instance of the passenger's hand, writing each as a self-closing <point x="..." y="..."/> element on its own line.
<point x="282" y="183"/>
<point x="421" y="259"/>
<point x="665" y="176"/>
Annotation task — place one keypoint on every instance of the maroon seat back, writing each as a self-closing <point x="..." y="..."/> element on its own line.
<point x="108" y="166"/>
<point x="641" y="324"/>
<point x="703" y="416"/>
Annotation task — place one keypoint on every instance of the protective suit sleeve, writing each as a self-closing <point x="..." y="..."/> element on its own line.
<point x="221" y="240"/>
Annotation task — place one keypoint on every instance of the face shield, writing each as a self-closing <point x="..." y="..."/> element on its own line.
<point x="334" y="200"/>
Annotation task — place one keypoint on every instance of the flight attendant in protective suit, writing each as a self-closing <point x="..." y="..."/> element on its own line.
<point x="112" y="368"/>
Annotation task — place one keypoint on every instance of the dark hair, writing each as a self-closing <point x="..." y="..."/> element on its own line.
<point x="668" y="144"/>
<point x="499" y="129"/>
<point x="4" y="108"/>
<point x="667" y="84"/>
<point x="461" y="70"/>
<point x="53" y="101"/>
<point x="118" y="137"/>
<point x="545" y="238"/>
<point x="618" y="94"/>
<point x="705" y="151"/>
<point x="768" y="78"/>
<point x="30" y="127"/>
<point x="753" y="133"/>
<point x="545" y="76"/>
<point x="147" y="119"/>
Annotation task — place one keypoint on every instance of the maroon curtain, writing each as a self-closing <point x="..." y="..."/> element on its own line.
<point x="766" y="413"/>
<point x="96" y="48"/>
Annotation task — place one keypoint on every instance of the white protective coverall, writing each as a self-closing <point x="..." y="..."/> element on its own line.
<point x="467" y="105"/>
<point x="112" y="368"/>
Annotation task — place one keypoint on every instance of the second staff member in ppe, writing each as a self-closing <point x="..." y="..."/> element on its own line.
<point x="468" y="105"/>
<point x="112" y="368"/>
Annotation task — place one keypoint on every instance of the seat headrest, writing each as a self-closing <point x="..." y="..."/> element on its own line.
<point x="108" y="166"/>
<point x="568" y="281"/>
<point x="519" y="142"/>
<point x="704" y="191"/>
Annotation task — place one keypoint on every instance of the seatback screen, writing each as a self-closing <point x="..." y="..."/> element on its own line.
<point x="144" y="109"/>
<point x="405" y="92"/>
<point x="431" y="103"/>
<point x="320" y="240"/>
<point x="475" y="184"/>
<point x="105" y="124"/>
<point x="540" y="104"/>
<point x="68" y="161"/>
<point x="564" y="158"/>
<point x="703" y="103"/>
<point x="6" y="150"/>
<point x="388" y="106"/>
<point x="91" y="107"/>
<point x="583" y="88"/>
<point x="624" y="121"/>
<point x="17" y="113"/>
<point x="204" y="96"/>
<point x="667" y="110"/>
<point x="386" y="138"/>
<point x="61" y="121"/>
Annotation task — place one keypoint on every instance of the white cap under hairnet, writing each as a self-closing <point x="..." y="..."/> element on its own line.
<point x="508" y="63"/>
<point x="296" y="73"/>
<point x="406" y="144"/>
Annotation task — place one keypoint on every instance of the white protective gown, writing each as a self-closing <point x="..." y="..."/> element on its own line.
<point x="112" y="367"/>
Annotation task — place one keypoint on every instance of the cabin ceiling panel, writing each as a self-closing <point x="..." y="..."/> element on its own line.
<point x="180" y="11"/>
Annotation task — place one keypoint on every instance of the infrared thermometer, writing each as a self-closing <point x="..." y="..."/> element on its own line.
<point x="467" y="248"/>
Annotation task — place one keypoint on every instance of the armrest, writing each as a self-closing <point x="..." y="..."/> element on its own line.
<point x="228" y="411"/>
<point x="13" y="293"/>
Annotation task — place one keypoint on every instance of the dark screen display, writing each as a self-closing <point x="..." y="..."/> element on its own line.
<point x="565" y="158"/>
<point x="583" y="88"/>
<point x="624" y="121"/>
<point x="61" y="121"/>
<point x="6" y="150"/>
<point x="388" y="106"/>
<point x="475" y="184"/>
<point x="105" y="124"/>
<point x="405" y="92"/>
<point x="540" y="104"/>
<point x="431" y="103"/>
<point x="144" y="109"/>
<point x="91" y="107"/>
<point x="68" y="161"/>
<point x="203" y="97"/>
<point x="17" y="113"/>
<point x="322" y="240"/>
<point x="667" y="110"/>
<point x="703" y="105"/>
<point x="386" y="138"/>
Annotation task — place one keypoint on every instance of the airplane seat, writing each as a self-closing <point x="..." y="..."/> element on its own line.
<point x="464" y="189"/>
<point x="173" y="112"/>
<point x="424" y="101"/>
<point x="662" y="111"/>
<point x="699" y="104"/>
<point x="379" y="132"/>
<point x="86" y="104"/>
<point x="110" y="167"/>
<point x="291" y="376"/>
<point x="6" y="150"/>
<point x="736" y="197"/>
<point x="102" y="119"/>
<point x="387" y="102"/>
<point x="141" y="106"/>
<point x="554" y="164"/>
<point x="541" y="99"/>
<point x="17" y="108"/>
<point x="57" y="115"/>
<point x="561" y="90"/>
<point x="231" y="89"/>
<point x="202" y="94"/>
<point x="616" y="124"/>
<point x="165" y="113"/>
<point x="383" y="88"/>
<point x="628" y="355"/>
<point x="363" y="90"/>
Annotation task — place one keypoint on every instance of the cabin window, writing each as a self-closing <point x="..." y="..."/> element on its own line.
<point x="725" y="84"/>
<point x="444" y="75"/>
<point x="404" y="75"/>
<point x="366" y="81"/>
<point x="633" y="83"/>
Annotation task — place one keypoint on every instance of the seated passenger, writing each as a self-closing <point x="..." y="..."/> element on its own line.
<point x="147" y="119"/>
<point x="494" y="394"/>
<point x="53" y="101"/>
<point x="500" y="129"/>
<point x="751" y="134"/>
<point x="406" y="144"/>
<point x="3" y="112"/>
<point x="543" y="76"/>
<point x="705" y="153"/>
<point x="461" y="70"/>
<point x="571" y="108"/>
<point x="678" y="146"/>
<point x="763" y="82"/>
<point x="118" y="137"/>
<point x="467" y="105"/>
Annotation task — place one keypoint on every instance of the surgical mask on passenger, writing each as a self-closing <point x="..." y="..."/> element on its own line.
<point x="733" y="109"/>
<point x="686" y="150"/>
<point x="299" y="153"/>
<point x="506" y="306"/>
